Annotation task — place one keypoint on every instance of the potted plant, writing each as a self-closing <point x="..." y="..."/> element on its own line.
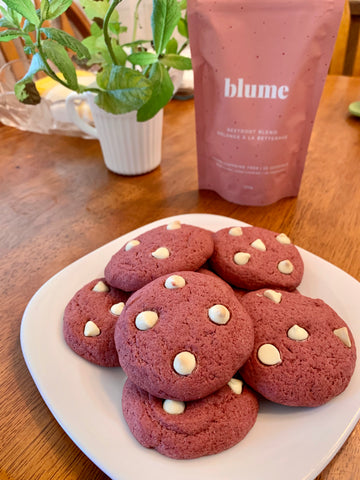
<point x="132" y="79"/>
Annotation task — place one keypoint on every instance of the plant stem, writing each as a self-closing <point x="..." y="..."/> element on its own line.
<point x="184" y="45"/>
<point x="85" y="88"/>
<point x="107" y="38"/>
<point x="136" y="19"/>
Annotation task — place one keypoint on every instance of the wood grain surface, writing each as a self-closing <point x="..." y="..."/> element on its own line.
<point x="58" y="202"/>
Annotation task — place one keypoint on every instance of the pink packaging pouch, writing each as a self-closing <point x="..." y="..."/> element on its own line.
<point x="259" y="70"/>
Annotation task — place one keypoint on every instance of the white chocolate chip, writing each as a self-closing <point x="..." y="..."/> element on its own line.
<point x="101" y="287"/>
<point x="268" y="354"/>
<point x="283" y="239"/>
<point x="219" y="314"/>
<point x="91" y="329"/>
<point x="241" y="258"/>
<point x="117" y="308"/>
<point x="173" y="225"/>
<point x="297" y="333"/>
<point x="259" y="245"/>
<point x="235" y="231"/>
<point x="174" y="407"/>
<point x="272" y="295"/>
<point x="146" y="320"/>
<point x="175" y="281"/>
<point x="286" y="267"/>
<point x="184" y="363"/>
<point x="131" y="244"/>
<point x="161" y="253"/>
<point x="343" y="334"/>
<point x="236" y="385"/>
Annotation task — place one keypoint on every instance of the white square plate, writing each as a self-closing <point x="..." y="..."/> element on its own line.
<point x="285" y="443"/>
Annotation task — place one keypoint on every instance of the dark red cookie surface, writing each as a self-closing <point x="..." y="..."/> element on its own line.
<point x="304" y="353"/>
<point x="89" y="324"/>
<point x="193" y="429"/>
<point x="162" y="250"/>
<point x="183" y="354"/>
<point x="252" y="258"/>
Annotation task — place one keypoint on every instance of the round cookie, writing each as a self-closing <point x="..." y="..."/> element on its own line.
<point x="157" y="252"/>
<point x="304" y="353"/>
<point x="193" y="429"/>
<point x="89" y="322"/>
<point x="253" y="258"/>
<point x="183" y="336"/>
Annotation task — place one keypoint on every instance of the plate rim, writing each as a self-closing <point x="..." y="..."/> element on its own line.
<point x="114" y="244"/>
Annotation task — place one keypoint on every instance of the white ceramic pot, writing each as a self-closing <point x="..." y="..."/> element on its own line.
<point x="129" y="147"/>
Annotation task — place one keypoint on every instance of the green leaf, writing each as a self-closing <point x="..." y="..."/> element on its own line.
<point x="67" y="41"/>
<point x="14" y="18"/>
<point x="176" y="61"/>
<point x="28" y="26"/>
<point x="8" y="35"/>
<point x="142" y="58"/>
<point x="17" y="17"/>
<point x="114" y="77"/>
<point x="6" y="23"/>
<point x="59" y="56"/>
<point x="126" y="89"/>
<point x="28" y="92"/>
<point x="98" y="9"/>
<point x="95" y="30"/>
<point x="97" y="49"/>
<point x="119" y="52"/>
<point x="25" y="89"/>
<point x="89" y="43"/>
<point x="183" y="28"/>
<point x="29" y="47"/>
<point x="25" y="8"/>
<point x="161" y="93"/>
<point x="172" y="46"/>
<point x="99" y="53"/>
<point x="55" y="8"/>
<point x="44" y="9"/>
<point x="114" y="28"/>
<point x="165" y="16"/>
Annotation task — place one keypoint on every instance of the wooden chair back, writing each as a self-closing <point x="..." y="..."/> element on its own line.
<point x="353" y="37"/>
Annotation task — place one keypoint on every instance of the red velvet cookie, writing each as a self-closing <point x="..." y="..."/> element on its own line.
<point x="192" y="429"/>
<point x="304" y="353"/>
<point x="89" y="322"/>
<point x="159" y="251"/>
<point x="252" y="258"/>
<point x="183" y="336"/>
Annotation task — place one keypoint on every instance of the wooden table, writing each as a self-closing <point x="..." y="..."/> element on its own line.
<point x="58" y="202"/>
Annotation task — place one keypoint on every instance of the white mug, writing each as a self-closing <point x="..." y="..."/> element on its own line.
<point x="129" y="147"/>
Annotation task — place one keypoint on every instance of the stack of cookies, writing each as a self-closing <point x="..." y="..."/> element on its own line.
<point x="203" y="324"/>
